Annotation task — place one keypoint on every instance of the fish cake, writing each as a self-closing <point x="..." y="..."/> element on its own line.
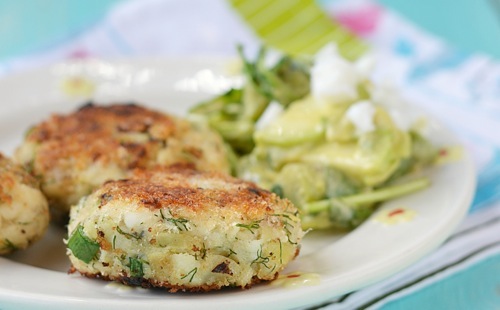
<point x="24" y="211"/>
<point x="73" y="154"/>
<point x="183" y="230"/>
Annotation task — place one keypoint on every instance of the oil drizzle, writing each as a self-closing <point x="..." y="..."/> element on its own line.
<point x="119" y="287"/>
<point x="297" y="279"/>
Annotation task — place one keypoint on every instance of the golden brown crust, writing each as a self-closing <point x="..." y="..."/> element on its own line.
<point x="187" y="189"/>
<point x="75" y="153"/>
<point x="171" y="288"/>
<point x="24" y="213"/>
<point x="196" y="231"/>
<point x="10" y="174"/>
<point x="96" y="133"/>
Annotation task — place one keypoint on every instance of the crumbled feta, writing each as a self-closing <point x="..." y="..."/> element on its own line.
<point x="333" y="79"/>
<point x="361" y="116"/>
<point x="272" y="112"/>
<point x="388" y="97"/>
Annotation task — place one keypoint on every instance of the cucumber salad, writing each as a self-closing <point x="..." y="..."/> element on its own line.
<point x="321" y="133"/>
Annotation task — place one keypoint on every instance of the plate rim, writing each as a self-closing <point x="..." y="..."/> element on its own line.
<point x="54" y="300"/>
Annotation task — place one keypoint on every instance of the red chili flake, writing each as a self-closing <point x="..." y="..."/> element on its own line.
<point x="443" y="152"/>
<point x="396" y="212"/>
<point x="293" y="276"/>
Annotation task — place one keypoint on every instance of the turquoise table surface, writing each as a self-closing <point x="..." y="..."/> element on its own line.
<point x="472" y="25"/>
<point x="28" y="26"/>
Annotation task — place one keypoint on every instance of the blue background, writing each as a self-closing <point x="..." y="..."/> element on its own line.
<point x="28" y="26"/>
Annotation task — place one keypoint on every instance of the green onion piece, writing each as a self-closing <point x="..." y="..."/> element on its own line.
<point x="136" y="267"/>
<point x="82" y="247"/>
<point x="378" y="195"/>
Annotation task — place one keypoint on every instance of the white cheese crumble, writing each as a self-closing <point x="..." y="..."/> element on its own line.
<point x="361" y="116"/>
<point x="388" y="97"/>
<point x="272" y="112"/>
<point x="333" y="78"/>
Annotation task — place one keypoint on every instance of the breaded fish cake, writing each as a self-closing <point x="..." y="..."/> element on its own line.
<point x="24" y="212"/>
<point x="73" y="154"/>
<point x="183" y="230"/>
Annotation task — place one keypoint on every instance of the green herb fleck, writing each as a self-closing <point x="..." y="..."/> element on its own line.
<point x="9" y="245"/>
<point x="180" y="223"/>
<point x="192" y="273"/>
<point x="203" y="252"/>
<point x="261" y="259"/>
<point x="231" y="252"/>
<point x="136" y="269"/>
<point x="281" y="251"/>
<point x="128" y="235"/>
<point x="82" y="247"/>
<point x="251" y="226"/>
<point x="287" y="225"/>
<point x="278" y="190"/>
<point x="114" y="242"/>
<point x="161" y="213"/>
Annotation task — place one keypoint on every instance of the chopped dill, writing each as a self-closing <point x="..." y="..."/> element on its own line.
<point x="261" y="259"/>
<point x="180" y="223"/>
<point x="192" y="273"/>
<point x="281" y="251"/>
<point x="161" y="213"/>
<point x="287" y="225"/>
<point x="128" y="235"/>
<point x="251" y="226"/>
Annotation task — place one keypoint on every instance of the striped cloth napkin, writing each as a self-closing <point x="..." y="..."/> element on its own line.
<point x="297" y="27"/>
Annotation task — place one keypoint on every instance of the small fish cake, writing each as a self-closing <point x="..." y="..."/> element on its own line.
<point x="24" y="212"/>
<point x="75" y="153"/>
<point x="183" y="230"/>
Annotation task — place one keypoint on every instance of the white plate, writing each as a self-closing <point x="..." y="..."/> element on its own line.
<point x="37" y="278"/>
